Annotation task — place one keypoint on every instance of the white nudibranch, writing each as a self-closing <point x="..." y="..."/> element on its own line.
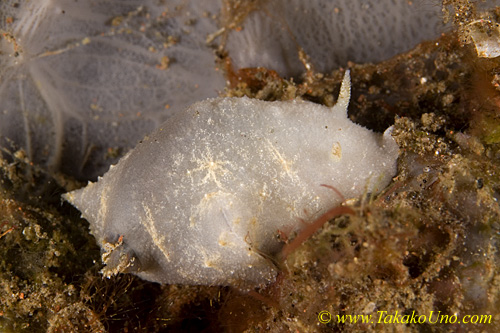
<point x="201" y="199"/>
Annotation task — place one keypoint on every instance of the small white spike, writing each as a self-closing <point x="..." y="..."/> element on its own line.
<point x="345" y="92"/>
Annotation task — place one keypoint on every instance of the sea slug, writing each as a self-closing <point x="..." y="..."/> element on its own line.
<point x="201" y="199"/>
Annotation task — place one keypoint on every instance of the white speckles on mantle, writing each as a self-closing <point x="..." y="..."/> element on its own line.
<point x="198" y="201"/>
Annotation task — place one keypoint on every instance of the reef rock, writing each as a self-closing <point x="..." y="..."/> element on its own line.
<point x="81" y="82"/>
<point x="331" y="33"/>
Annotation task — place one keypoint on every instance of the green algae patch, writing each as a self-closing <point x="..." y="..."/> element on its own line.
<point x="43" y="255"/>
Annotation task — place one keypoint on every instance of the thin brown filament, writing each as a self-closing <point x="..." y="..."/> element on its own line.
<point x="313" y="227"/>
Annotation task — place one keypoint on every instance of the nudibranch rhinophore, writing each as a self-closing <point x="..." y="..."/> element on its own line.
<point x="201" y="199"/>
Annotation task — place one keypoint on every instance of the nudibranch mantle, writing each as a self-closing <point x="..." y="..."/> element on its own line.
<point x="202" y="199"/>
